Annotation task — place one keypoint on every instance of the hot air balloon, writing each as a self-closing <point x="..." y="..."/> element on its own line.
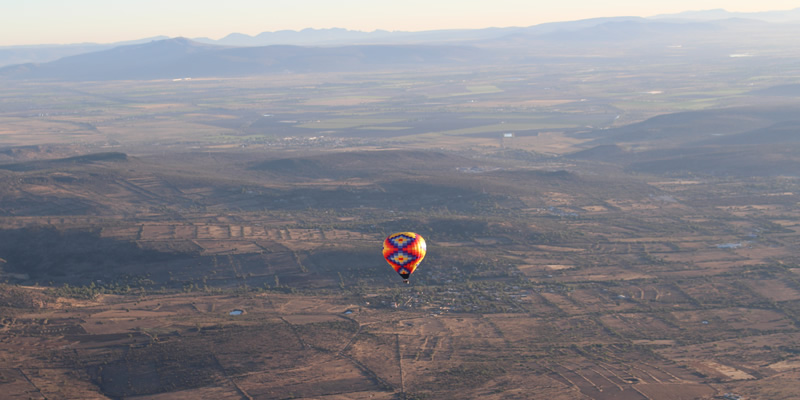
<point x="404" y="251"/>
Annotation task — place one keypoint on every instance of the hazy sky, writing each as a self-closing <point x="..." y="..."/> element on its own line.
<point x="106" y="21"/>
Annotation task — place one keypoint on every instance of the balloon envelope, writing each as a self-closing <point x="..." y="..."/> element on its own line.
<point x="404" y="251"/>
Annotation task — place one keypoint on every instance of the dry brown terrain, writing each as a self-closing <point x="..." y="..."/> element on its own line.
<point x="134" y="225"/>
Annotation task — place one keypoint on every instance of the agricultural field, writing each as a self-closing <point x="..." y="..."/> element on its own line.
<point x="221" y="238"/>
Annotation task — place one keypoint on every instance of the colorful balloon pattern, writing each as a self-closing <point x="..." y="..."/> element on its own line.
<point x="404" y="251"/>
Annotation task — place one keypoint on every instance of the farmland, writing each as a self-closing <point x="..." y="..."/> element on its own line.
<point x="136" y="216"/>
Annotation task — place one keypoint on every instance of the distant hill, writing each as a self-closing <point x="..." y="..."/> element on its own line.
<point x="759" y="141"/>
<point x="756" y="159"/>
<point x="161" y="58"/>
<point x="682" y="128"/>
<point x="708" y="15"/>
<point x="782" y="133"/>
<point x="341" y="37"/>
<point x="180" y="58"/>
<point x="764" y="160"/>
<point x="13" y="55"/>
<point x="306" y="37"/>
<point x="627" y="30"/>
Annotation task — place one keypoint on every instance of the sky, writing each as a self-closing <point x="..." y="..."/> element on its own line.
<point x="27" y="22"/>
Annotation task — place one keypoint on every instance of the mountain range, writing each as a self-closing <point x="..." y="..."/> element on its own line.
<point x="713" y="33"/>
